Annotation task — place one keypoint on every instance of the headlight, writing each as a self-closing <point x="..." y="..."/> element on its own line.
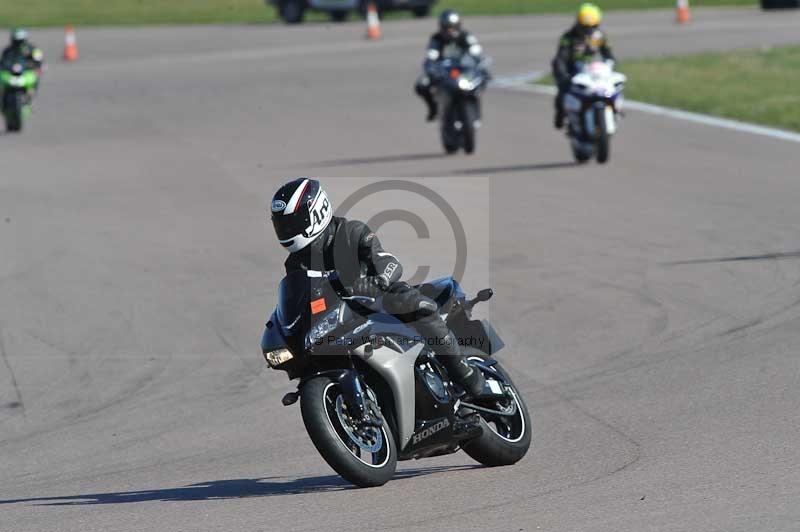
<point x="277" y="357"/>
<point x="325" y="325"/>
<point x="465" y="85"/>
<point x="16" y="81"/>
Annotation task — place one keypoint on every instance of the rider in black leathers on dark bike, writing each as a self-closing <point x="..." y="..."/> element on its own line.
<point x="450" y="41"/>
<point x="318" y="241"/>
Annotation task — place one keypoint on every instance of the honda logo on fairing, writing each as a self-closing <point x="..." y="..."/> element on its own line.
<point x="430" y="431"/>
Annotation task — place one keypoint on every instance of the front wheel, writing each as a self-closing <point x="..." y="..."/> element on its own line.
<point x="451" y="137"/>
<point x="603" y="138"/>
<point x="365" y="456"/>
<point x="14" y="107"/>
<point x="469" y="117"/>
<point x="505" y="439"/>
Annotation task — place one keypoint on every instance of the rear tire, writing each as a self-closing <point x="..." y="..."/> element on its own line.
<point x="491" y="449"/>
<point x="581" y="155"/>
<point x="340" y="15"/>
<point x="317" y="404"/>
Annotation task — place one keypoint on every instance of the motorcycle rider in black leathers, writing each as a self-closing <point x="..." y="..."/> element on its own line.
<point x="450" y="41"/>
<point x="304" y="223"/>
<point x="20" y="50"/>
<point x="581" y="44"/>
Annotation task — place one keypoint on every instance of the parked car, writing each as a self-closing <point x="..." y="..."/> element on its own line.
<point x="293" y="11"/>
<point x="779" y="4"/>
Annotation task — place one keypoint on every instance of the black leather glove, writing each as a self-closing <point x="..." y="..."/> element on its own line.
<point x="371" y="286"/>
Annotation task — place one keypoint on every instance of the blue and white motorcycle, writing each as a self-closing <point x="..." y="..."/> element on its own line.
<point x="593" y="104"/>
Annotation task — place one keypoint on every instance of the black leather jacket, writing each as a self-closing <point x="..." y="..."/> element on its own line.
<point x="440" y="48"/>
<point x="25" y="52"/>
<point x="579" y="46"/>
<point x="352" y="249"/>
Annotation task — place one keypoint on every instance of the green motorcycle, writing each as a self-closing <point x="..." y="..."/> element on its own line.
<point x="18" y="85"/>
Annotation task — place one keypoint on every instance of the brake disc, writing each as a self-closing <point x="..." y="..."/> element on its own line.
<point x="369" y="439"/>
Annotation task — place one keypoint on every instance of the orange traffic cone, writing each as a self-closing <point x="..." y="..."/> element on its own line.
<point x="70" y="44"/>
<point x="373" y="22"/>
<point x="682" y="13"/>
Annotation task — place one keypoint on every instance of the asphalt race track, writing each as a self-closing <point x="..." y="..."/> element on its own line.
<point x="654" y="336"/>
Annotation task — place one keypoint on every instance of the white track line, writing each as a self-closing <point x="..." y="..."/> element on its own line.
<point x="523" y="82"/>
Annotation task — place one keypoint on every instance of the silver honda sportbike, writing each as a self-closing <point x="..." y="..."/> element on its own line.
<point x="370" y="388"/>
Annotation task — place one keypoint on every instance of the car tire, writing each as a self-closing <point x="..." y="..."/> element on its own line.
<point x="292" y="11"/>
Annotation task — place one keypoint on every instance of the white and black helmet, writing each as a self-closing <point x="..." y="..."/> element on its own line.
<point x="300" y="213"/>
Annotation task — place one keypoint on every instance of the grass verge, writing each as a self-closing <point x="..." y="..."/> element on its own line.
<point x="124" y="12"/>
<point x="758" y="86"/>
<point x="510" y="7"/>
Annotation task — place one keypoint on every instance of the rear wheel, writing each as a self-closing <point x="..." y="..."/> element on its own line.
<point x="581" y="152"/>
<point x="365" y="456"/>
<point x="505" y="439"/>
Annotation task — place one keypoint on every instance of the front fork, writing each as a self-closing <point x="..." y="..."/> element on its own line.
<point x="592" y="119"/>
<point x="359" y="400"/>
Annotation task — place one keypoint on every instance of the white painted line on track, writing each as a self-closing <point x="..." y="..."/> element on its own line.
<point x="523" y="82"/>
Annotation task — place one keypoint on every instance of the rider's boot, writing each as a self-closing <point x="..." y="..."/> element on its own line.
<point x="467" y="376"/>
<point x="559" y="119"/>
<point x="433" y="109"/>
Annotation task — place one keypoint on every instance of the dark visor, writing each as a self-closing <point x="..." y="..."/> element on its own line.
<point x="289" y="226"/>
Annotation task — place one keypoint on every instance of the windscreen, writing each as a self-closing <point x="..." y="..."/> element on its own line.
<point x="294" y="296"/>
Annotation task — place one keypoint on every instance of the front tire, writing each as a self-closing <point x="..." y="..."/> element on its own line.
<point x="12" y="111"/>
<point x="469" y="115"/>
<point x="603" y="139"/>
<point x="504" y="440"/>
<point x="451" y="141"/>
<point x="326" y="422"/>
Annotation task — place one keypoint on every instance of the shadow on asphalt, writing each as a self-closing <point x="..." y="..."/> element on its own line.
<point x="515" y="168"/>
<point x="227" y="489"/>
<point x="740" y="258"/>
<point x="379" y="160"/>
